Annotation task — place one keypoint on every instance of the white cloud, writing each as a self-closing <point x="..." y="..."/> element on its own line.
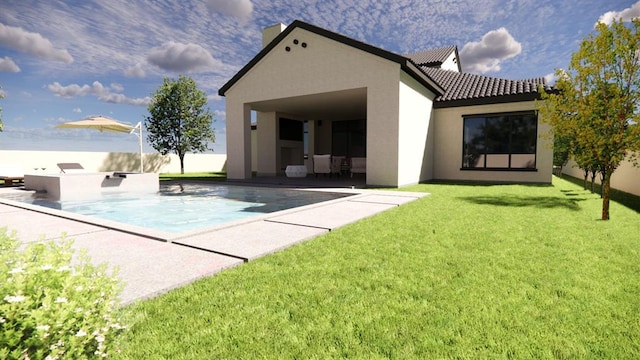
<point x="109" y="94"/>
<point x="182" y="57"/>
<point x="7" y="65"/>
<point x="32" y="43"/>
<point x="77" y="110"/>
<point x="487" y="54"/>
<point x="625" y="15"/>
<point x="551" y="78"/>
<point x="240" y="9"/>
<point x="135" y="71"/>
<point x="117" y="87"/>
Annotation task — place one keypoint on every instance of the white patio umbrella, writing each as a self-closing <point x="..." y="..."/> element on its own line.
<point x="103" y="123"/>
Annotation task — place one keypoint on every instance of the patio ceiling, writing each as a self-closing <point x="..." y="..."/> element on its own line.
<point x="335" y="105"/>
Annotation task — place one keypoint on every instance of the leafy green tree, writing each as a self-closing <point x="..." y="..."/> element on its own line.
<point x="597" y="100"/>
<point x="178" y="120"/>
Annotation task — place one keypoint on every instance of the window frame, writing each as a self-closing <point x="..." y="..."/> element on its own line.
<point x="487" y="143"/>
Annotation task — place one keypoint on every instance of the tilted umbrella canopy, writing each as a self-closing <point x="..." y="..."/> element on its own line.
<point x="104" y="123"/>
<point x="99" y="123"/>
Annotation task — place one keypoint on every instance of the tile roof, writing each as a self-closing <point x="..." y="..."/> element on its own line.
<point x="431" y="56"/>
<point x="451" y="88"/>
<point x="466" y="89"/>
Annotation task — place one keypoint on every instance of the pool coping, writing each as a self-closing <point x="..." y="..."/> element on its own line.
<point x="152" y="264"/>
<point x="171" y="236"/>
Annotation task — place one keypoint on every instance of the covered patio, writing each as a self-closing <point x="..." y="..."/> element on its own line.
<point x="290" y="131"/>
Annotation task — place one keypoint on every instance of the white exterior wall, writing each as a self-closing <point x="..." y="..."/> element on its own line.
<point x="323" y="66"/>
<point x="266" y="143"/>
<point x="450" y="63"/>
<point x="33" y="162"/>
<point x="448" y="146"/>
<point x="239" y="148"/>
<point x="626" y="177"/>
<point x="415" y="162"/>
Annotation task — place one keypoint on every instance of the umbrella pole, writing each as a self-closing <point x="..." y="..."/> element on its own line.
<point x="140" y="142"/>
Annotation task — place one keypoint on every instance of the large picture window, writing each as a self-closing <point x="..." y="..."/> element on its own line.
<point x="500" y="141"/>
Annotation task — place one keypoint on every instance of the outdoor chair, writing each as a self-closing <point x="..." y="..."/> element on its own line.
<point x="358" y="165"/>
<point x="336" y="164"/>
<point x="67" y="168"/>
<point x="10" y="173"/>
<point x="321" y="164"/>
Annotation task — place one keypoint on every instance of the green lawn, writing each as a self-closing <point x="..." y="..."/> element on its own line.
<point x="205" y="176"/>
<point x="472" y="271"/>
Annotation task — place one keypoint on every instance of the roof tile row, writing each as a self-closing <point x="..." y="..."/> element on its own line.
<point x="465" y="86"/>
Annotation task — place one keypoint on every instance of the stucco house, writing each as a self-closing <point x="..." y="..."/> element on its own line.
<point x="415" y="117"/>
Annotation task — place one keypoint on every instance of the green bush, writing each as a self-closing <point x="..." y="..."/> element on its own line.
<point x="53" y="307"/>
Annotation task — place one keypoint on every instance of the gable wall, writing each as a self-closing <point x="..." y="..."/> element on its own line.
<point x="450" y="63"/>
<point x="323" y="66"/>
<point x="415" y="150"/>
<point x="448" y="147"/>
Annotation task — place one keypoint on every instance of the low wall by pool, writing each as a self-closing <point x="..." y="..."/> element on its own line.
<point x="44" y="162"/>
<point x="80" y="186"/>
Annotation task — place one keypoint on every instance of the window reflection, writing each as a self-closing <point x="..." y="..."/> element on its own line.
<point x="505" y="141"/>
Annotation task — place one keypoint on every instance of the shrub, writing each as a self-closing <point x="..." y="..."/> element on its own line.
<point x="54" y="307"/>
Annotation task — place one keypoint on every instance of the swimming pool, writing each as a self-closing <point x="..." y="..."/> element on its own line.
<point x="179" y="208"/>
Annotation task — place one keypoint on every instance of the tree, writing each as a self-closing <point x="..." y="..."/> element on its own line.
<point x="597" y="100"/>
<point x="178" y="120"/>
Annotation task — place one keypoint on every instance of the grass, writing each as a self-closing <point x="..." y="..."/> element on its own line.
<point x="629" y="200"/>
<point x="472" y="271"/>
<point x="203" y="176"/>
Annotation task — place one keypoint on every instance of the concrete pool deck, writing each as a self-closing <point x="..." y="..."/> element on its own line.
<point x="150" y="265"/>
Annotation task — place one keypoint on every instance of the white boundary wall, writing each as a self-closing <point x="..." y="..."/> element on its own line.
<point x="626" y="177"/>
<point x="45" y="162"/>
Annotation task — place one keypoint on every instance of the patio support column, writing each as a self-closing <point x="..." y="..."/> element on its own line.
<point x="267" y="143"/>
<point x="238" y="140"/>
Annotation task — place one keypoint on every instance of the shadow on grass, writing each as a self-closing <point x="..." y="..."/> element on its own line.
<point x="629" y="200"/>
<point x="485" y="183"/>
<point x="542" y="202"/>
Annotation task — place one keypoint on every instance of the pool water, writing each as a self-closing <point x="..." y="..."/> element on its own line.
<point x="186" y="207"/>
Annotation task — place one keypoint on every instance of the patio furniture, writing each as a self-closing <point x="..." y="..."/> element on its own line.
<point x="358" y="165"/>
<point x="336" y="164"/>
<point x="322" y="164"/>
<point x="68" y="168"/>
<point x="296" y="171"/>
<point x="10" y="173"/>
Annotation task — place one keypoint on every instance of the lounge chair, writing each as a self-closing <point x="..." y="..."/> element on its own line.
<point x="358" y="165"/>
<point x="10" y="173"/>
<point x="321" y="164"/>
<point x="336" y="164"/>
<point x="67" y="168"/>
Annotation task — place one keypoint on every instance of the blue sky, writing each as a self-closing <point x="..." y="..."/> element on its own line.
<point x="66" y="60"/>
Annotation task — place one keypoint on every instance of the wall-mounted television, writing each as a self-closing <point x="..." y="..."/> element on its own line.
<point x="291" y="129"/>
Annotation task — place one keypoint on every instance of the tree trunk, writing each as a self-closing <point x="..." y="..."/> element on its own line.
<point x="181" y="156"/>
<point x="586" y="175"/>
<point x="606" y="186"/>
<point x="593" y="179"/>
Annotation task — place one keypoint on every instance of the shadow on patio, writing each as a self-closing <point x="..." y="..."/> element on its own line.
<point x="310" y="181"/>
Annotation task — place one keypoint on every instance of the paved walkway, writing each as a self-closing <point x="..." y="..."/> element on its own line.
<point x="152" y="263"/>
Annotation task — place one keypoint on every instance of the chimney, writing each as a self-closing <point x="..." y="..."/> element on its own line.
<point x="271" y="32"/>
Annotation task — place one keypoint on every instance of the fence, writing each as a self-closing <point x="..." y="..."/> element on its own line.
<point x="39" y="162"/>
<point x="626" y="177"/>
